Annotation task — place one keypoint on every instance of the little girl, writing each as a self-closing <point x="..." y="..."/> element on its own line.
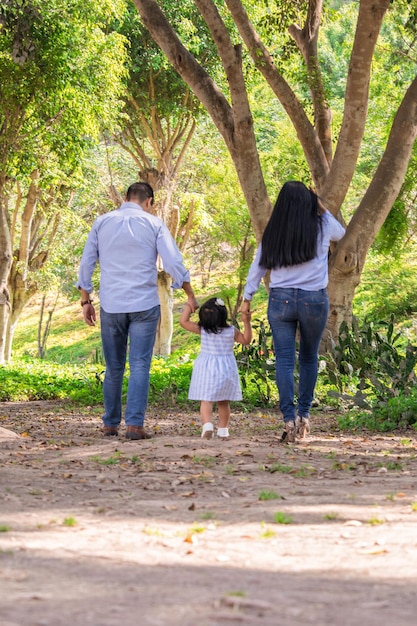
<point x="215" y="376"/>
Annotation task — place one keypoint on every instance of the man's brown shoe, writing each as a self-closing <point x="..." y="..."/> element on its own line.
<point x="136" y="432"/>
<point x="109" y="431"/>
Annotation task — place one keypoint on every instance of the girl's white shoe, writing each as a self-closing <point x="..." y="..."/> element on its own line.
<point x="222" y="433"/>
<point x="207" y="432"/>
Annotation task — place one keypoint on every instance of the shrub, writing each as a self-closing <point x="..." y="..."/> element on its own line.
<point x="256" y="364"/>
<point x="33" y="379"/>
<point x="378" y="364"/>
<point x="170" y="379"/>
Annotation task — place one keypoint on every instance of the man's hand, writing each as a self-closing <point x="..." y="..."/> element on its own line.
<point x="89" y="314"/>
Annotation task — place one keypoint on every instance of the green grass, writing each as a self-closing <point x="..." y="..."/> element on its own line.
<point x="282" y="518"/>
<point x="269" y="495"/>
<point x="73" y="369"/>
<point x="70" y="339"/>
<point x="114" y="459"/>
<point x="267" y="532"/>
<point x="207" y="461"/>
<point x="278" y="467"/>
<point x="331" y="516"/>
<point x="73" y="366"/>
<point x="207" y="515"/>
<point x="391" y="465"/>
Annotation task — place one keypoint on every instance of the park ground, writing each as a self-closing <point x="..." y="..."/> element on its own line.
<point x="177" y="531"/>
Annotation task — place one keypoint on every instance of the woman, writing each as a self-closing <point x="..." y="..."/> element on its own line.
<point x="295" y="248"/>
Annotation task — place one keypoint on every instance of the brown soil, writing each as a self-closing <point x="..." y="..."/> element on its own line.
<point x="173" y="531"/>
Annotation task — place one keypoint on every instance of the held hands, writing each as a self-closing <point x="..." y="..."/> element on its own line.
<point x="192" y="302"/>
<point x="245" y="308"/>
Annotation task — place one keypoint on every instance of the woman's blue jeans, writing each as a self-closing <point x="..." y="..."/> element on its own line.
<point x="289" y="309"/>
<point x="116" y="329"/>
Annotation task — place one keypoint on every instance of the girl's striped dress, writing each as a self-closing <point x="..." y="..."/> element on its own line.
<point x="215" y="375"/>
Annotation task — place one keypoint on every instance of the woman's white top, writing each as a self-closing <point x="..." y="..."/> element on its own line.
<point x="311" y="276"/>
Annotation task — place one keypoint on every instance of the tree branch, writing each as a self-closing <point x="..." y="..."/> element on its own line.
<point x="386" y="182"/>
<point x="307" y="42"/>
<point x="264" y="62"/>
<point x="371" y="15"/>
<point x="186" y="65"/>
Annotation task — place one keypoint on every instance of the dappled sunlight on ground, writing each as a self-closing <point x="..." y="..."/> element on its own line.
<point x="177" y="530"/>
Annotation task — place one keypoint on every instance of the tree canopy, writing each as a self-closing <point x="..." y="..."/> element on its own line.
<point x="283" y="41"/>
<point x="60" y="84"/>
<point x="320" y="90"/>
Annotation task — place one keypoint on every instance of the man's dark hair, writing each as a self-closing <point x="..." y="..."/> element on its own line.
<point x="140" y="191"/>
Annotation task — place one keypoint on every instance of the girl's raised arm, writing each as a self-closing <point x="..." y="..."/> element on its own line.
<point x="246" y="337"/>
<point x="185" y="321"/>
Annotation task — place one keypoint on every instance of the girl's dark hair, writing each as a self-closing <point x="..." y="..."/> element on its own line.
<point x="212" y="316"/>
<point x="290" y="237"/>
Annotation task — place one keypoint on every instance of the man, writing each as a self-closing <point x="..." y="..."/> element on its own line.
<point x="127" y="242"/>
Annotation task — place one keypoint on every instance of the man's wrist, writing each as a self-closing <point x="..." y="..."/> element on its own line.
<point x="88" y="301"/>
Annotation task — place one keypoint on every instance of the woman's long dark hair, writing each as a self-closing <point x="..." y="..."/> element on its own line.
<point x="290" y="237"/>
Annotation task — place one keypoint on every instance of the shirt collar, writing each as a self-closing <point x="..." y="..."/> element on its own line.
<point x="131" y="205"/>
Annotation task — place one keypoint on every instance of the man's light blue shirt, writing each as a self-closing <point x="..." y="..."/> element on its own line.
<point x="310" y="276"/>
<point x="126" y="243"/>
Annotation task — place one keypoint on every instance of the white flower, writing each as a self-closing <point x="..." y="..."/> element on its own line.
<point x="219" y="302"/>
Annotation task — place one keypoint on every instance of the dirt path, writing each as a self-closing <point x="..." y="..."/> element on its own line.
<point x="175" y="531"/>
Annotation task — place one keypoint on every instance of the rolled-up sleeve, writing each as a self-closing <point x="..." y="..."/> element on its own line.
<point x="172" y="258"/>
<point x="88" y="261"/>
<point x="255" y="275"/>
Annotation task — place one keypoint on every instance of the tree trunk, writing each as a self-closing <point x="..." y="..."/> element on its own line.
<point x="21" y="293"/>
<point x="163" y="339"/>
<point x="346" y="263"/>
<point x="235" y="122"/>
<point x="339" y="178"/>
<point x="43" y="331"/>
<point x="4" y="316"/>
<point x="5" y="265"/>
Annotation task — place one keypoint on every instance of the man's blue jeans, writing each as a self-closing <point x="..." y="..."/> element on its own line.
<point x="116" y="328"/>
<point x="289" y="309"/>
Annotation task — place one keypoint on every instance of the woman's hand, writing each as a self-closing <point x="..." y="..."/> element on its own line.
<point x="245" y="308"/>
